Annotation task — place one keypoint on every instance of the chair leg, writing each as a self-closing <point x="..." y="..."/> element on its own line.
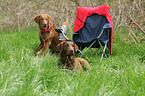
<point x="95" y="52"/>
<point x="109" y="46"/>
<point x="83" y="54"/>
<point x="103" y="49"/>
<point x="89" y="47"/>
<point x="109" y="42"/>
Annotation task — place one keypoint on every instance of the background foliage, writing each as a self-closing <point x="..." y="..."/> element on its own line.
<point x="18" y="14"/>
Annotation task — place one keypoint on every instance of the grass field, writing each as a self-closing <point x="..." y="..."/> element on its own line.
<point x="23" y="74"/>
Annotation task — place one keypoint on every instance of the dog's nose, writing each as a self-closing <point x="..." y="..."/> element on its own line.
<point x="44" y="25"/>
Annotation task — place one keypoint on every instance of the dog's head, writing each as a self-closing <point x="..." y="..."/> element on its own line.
<point x="43" y="21"/>
<point x="67" y="48"/>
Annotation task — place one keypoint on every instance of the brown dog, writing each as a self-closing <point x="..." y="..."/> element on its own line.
<point x="68" y="59"/>
<point x="47" y="35"/>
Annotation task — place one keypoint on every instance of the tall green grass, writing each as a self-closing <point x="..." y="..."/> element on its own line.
<point x="23" y="74"/>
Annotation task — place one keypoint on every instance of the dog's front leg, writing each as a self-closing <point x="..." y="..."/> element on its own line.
<point x="38" y="48"/>
<point x="77" y="66"/>
<point x="44" y="49"/>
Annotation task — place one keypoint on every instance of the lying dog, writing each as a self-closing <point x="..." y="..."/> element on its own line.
<point x="67" y="57"/>
<point x="47" y="35"/>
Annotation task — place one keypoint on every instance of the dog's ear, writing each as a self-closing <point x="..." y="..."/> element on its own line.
<point x="76" y="47"/>
<point x="60" y="46"/>
<point x="49" y="17"/>
<point x="36" y="18"/>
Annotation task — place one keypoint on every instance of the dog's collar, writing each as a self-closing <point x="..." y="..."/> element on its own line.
<point x="46" y="30"/>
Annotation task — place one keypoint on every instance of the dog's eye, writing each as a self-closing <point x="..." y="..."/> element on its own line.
<point x="67" y="45"/>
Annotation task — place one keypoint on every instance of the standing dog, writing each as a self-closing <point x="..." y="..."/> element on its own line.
<point x="47" y="35"/>
<point x="67" y="57"/>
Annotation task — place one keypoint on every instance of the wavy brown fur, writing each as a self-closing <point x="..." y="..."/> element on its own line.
<point x="44" y="22"/>
<point x="67" y="57"/>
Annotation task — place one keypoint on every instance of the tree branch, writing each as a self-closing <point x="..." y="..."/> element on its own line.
<point x="135" y="23"/>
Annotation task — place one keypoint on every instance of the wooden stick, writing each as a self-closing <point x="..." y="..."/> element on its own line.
<point x="135" y="23"/>
<point x="130" y="31"/>
<point x="18" y="23"/>
<point x="132" y="38"/>
<point x="133" y="33"/>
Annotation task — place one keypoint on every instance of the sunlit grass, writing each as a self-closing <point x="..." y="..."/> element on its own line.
<point x="23" y="74"/>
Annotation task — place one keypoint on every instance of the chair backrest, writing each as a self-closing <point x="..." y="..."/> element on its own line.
<point x="92" y="28"/>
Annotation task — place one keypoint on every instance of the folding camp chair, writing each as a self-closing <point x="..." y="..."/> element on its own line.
<point x="93" y="28"/>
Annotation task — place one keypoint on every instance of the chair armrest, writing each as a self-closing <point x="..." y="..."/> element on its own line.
<point x="107" y="26"/>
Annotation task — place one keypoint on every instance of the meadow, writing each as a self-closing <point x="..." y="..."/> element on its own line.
<point x="23" y="74"/>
